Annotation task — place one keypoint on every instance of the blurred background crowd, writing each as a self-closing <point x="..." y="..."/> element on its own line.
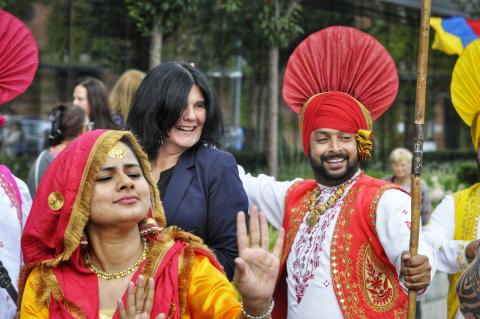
<point x="235" y="43"/>
<point x="94" y="54"/>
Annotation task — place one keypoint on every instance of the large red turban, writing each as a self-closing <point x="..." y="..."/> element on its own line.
<point x="343" y="79"/>
<point x="334" y="110"/>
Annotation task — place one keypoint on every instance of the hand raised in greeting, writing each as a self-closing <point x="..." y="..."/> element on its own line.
<point x="256" y="268"/>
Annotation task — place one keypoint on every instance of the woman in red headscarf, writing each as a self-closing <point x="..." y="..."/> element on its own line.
<point x="96" y="229"/>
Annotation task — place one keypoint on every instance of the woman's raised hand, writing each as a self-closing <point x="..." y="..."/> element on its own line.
<point x="139" y="303"/>
<point x="256" y="268"/>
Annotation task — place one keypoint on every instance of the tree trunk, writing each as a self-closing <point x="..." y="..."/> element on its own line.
<point x="273" y="103"/>
<point x="156" y="39"/>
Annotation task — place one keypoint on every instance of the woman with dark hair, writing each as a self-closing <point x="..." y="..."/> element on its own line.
<point x="92" y="96"/>
<point x="179" y="124"/>
<point x="68" y="121"/>
<point x="96" y="246"/>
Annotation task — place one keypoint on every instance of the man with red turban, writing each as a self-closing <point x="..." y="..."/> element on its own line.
<point x="345" y="253"/>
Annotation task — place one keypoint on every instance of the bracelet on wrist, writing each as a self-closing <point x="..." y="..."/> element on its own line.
<point x="266" y="315"/>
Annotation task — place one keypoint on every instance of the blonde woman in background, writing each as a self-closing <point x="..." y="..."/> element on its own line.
<point x="122" y="94"/>
<point x="401" y="161"/>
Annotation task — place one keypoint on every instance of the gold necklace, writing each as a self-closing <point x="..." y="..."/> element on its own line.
<point x="119" y="274"/>
<point x="317" y="209"/>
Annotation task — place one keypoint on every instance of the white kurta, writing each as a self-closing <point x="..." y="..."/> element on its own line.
<point x="266" y="193"/>
<point x="440" y="233"/>
<point x="10" y="250"/>
<point x="308" y="284"/>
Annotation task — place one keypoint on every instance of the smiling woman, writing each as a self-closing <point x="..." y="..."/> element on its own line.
<point x="178" y="123"/>
<point x="95" y="245"/>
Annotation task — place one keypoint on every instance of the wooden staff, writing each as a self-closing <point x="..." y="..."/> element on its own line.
<point x="418" y="137"/>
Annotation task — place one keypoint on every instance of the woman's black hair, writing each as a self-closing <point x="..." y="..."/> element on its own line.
<point x="67" y="122"/>
<point x="160" y="101"/>
<point x="97" y="97"/>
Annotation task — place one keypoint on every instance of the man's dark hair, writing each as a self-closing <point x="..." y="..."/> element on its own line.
<point x="160" y="101"/>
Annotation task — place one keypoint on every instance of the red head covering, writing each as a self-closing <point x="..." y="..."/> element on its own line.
<point x="19" y="57"/>
<point x="334" y="110"/>
<point x="61" y="208"/>
<point x="356" y="75"/>
<point x="59" y="215"/>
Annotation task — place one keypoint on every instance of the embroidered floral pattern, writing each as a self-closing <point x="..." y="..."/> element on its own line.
<point x="341" y="277"/>
<point x="374" y="204"/>
<point x="347" y="281"/>
<point x="472" y="213"/>
<point x="8" y="188"/>
<point x="378" y="289"/>
<point x="400" y="313"/>
<point x="311" y="242"/>
<point x="307" y="251"/>
<point x="294" y="221"/>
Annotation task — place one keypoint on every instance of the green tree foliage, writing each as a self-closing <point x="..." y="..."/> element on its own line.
<point x="4" y="3"/>
<point x="96" y="32"/>
<point x="216" y="31"/>
<point x="170" y="13"/>
<point x="276" y="21"/>
<point x="155" y="18"/>
<point x="19" y="8"/>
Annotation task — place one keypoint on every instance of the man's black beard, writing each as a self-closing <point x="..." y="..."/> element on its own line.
<point x="325" y="178"/>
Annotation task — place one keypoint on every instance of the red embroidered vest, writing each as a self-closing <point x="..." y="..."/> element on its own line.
<point x="365" y="282"/>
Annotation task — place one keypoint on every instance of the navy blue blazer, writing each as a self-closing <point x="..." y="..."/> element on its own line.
<point x="203" y="196"/>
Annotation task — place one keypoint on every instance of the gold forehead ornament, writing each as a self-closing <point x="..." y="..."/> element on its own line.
<point x="119" y="150"/>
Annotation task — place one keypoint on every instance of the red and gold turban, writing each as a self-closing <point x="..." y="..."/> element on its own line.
<point x="343" y="79"/>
